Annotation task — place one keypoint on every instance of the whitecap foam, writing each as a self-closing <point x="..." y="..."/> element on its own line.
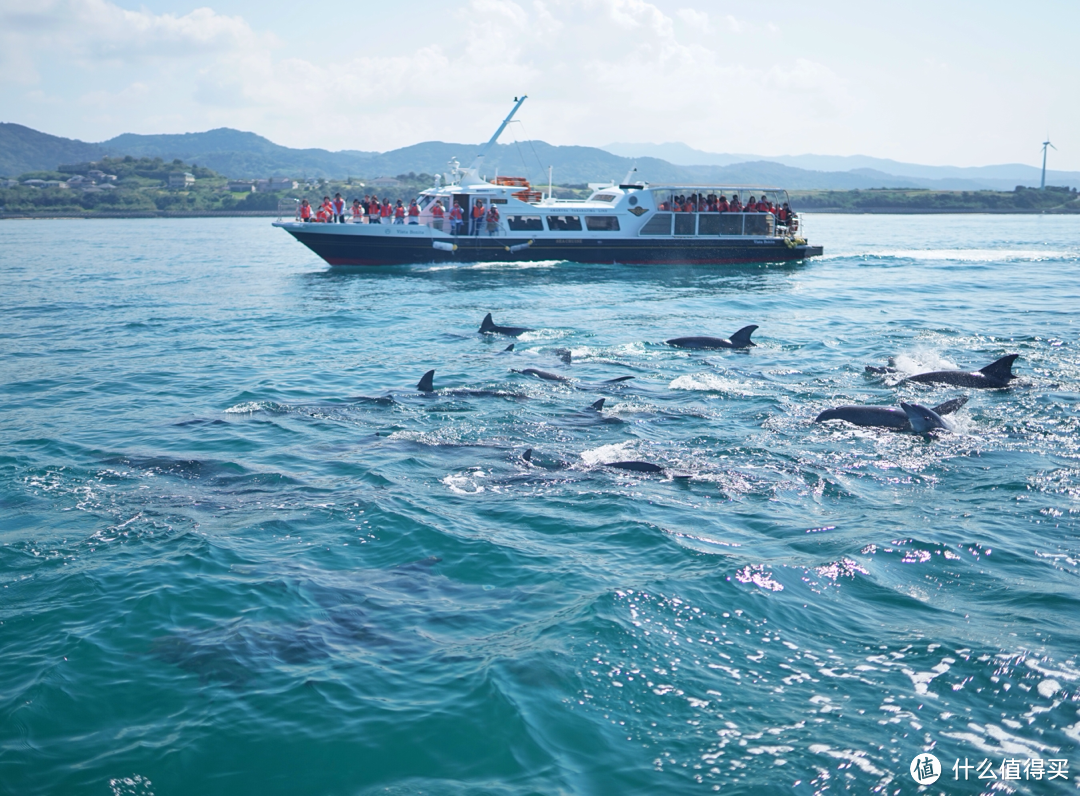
<point x="973" y="255"/>
<point x="251" y="407"/>
<point x="605" y="453"/>
<point x="710" y="382"/>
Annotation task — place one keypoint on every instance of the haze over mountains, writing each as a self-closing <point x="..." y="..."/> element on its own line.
<point x="240" y="155"/>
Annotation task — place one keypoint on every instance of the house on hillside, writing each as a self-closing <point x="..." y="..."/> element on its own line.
<point x="275" y="184"/>
<point x="181" y="179"/>
<point x="240" y="186"/>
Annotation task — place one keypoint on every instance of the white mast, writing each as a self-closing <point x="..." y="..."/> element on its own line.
<point x="472" y="174"/>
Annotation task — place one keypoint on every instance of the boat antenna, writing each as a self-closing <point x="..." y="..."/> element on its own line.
<point x="474" y="169"/>
<point x="1046" y="144"/>
<point x="629" y="174"/>
<point x="549" y="181"/>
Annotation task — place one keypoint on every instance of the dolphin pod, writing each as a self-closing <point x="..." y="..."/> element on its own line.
<point x="996" y="374"/>
<point x="741" y="339"/>
<point x="885" y="416"/>
<point x="488" y="326"/>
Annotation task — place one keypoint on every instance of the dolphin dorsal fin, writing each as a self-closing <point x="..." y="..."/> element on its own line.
<point x="427" y="382"/>
<point x="527" y="455"/>
<point x="741" y="338"/>
<point x="487" y="323"/>
<point x="598" y="405"/>
<point x="949" y="407"/>
<point x="509" y="347"/>
<point x="1000" y="370"/>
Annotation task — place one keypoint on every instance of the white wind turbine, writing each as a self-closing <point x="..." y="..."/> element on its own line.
<point x="1046" y="145"/>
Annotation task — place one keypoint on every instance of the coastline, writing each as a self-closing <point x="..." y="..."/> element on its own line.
<point x="162" y="214"/>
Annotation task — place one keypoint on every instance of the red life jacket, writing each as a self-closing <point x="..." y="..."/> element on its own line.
<point x="305" y="212"/>
<point x="399" y="211"/>
<point x="322" y="215"/>
<point x="478" y="211"/>
<point x="386" y="210"/>
<point x="414" y="210"/>
<point x="339" y="207"/>
<point x="455" y="213"/>
<point x="437" y="211"/>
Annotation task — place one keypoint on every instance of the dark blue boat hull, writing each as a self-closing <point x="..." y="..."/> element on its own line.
<point x="355" y="250"/>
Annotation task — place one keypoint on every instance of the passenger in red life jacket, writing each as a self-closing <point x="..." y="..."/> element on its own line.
<point x="736" y="205"/>
<point x="414" y="212"/>
<point x="338" y="208"/>
<point x="326" y="206"/>
<point x="437" y="214"/>
<point x="373" y="210"/>
<point x="478" y="215"/>
<point x="399" y="213"/>
<point x="323" y="216"/>
<point x="722" y="205"/>
<point x="663" y="206"/>
<point x="492" y="220"/>
<point x="456" y="217"/>
<point x="305" y="211"/>
<point x="357" y="212"/>
<point x="762" y="205"/>
<point x="386" y="211"/>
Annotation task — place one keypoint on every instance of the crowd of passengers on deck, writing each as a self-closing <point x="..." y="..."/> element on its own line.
<point x="372" y="210"/>
<point x="697" y="203"/>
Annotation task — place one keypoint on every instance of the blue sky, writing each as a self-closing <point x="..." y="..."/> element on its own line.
<point x="939" y="83"/>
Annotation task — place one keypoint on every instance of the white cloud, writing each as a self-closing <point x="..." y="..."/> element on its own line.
<point x="596" y="71"/>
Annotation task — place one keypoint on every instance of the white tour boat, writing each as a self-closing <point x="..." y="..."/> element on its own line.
<point x="630" y="222"/>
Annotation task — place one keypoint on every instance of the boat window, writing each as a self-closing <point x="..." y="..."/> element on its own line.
<point x="604" y="197"/>
<point x="659" y="224"/>
<point x="525" y="223"/>
<point x="602" y="223"/>
<point x="731" y="223"/>
<point x="684" y="223"/>
<point x="564" y="223"/>
<point x="662" y="199"/>
<point x="758" y="224"/>
<point x="708" y="224"/>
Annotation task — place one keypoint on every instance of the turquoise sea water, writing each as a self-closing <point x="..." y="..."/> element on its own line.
<point x="240" y="554"/>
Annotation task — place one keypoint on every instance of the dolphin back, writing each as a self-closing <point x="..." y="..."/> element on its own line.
<point x="741" y="338"/>
<point x="487" y="324"/>
<point x="636" y="467"/>
<point x="1001" y="370"/>
<point x="427" y="382"/>
<point x="870" y="416"/>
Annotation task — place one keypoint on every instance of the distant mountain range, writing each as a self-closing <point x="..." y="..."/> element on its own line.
<point x="1003" y="177"/>
<point x="247" y="155"/>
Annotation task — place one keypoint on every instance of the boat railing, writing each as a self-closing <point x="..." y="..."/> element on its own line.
<point x="685" y="224"/>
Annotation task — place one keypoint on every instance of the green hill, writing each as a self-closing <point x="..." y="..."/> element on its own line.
<point x="23" y="149"/>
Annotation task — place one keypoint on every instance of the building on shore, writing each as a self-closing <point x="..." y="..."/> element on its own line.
<point x="181" y="179"/>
